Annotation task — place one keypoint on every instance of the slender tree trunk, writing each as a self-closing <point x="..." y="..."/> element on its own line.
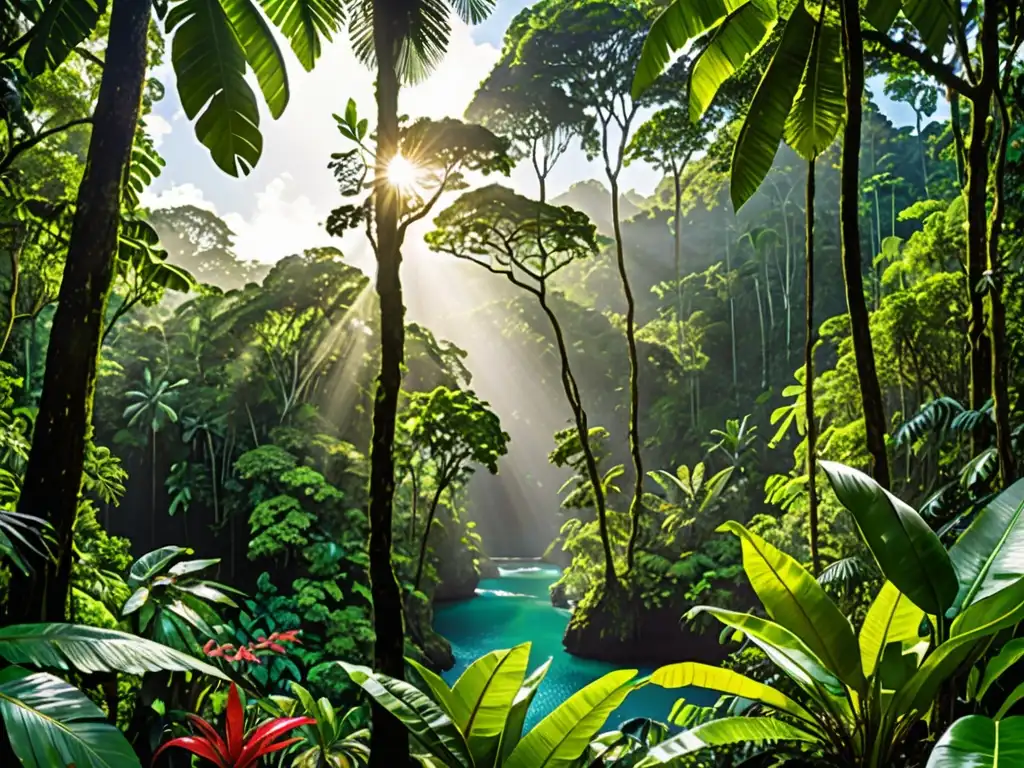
<point x="997" y="305"/>
<point x="812" y="424"/>
<point x="924" y="155"/>
<point x="54" y="474"/>
<point x="635" y="507"/>
<point x="732" y="314"/>
<point x="678" y="252"/>
<point x="389" y="741"/>
<point x="213" y="476"/>
<point x="958" y="135"/>
<point x="12" y="305"/>
<point x="764" y="343"/>
<point x="152" y="488"/>
<point x="977" y="258"/>
<point x="788" y="288"/>
<point x="572" y="394"/>
<point x="415" y="505"/>
<point x="426" y="533"/>
<point x="870" y="391"/>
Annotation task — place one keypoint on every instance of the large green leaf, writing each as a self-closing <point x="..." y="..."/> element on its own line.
<point x="487" y="689"/>
<point x="932" y="19"/>
<point x="882" y="13"/>
<point x="559" y="739"/>
<point x="979" y="742"/>
<point x="1008" y="655"/>
<point x="51" y="723"/>
<point x="304" y="23"/>
<point x="741" y="35"/>
<point x="782" y="647"/>
<point x="152" y="563"/>
<point x="691" y="674"/>
<point x="763" y="127"/>
<point x="908" y="552"/>
<point x="820" y="104"/>
<point x="989" y="556"/>
<point x="92" y="649"/>
<point x="442" y="694"/>
<point x="795" y="600"/>
<point x="972" y="627"/>
<point x="210" y="66"/>
<point x="63" y="26"/>
<point x="724" y="732"/>
<point x="517" y="714"/>
<point x="892" y="618"/>
<point x="261" y="51"/>
<point x="676" y="26"/>
<point x="426" y="721"/>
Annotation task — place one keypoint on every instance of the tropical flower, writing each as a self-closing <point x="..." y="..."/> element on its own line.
<point x="237" y="749"/>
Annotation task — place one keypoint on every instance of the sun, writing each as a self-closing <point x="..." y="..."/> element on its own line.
<point x="404" y="175"/>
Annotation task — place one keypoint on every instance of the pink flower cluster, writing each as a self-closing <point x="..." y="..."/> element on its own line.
<point x="247" y="653"/>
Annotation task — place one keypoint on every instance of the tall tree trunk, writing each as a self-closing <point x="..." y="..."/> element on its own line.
<point x="997" y="305"/>
<point x="764" y="342"/>
<point x="12" y="304"/>
<point x="958" y="135"/>
<point x="732" y="315"/>
<point x="977" y="259"/>
<point x="924" y="155"/>
<point x="678" y="253"/>
<point x="812" y="424"/>
<point x="635" y="507"/>
<point x="54" y="474"/>
<point x="788" y="287"/>
<point x="213" y="476"/>
<point x="426" y="533"/>
<point x="572" y="394"/>
<point x="870" y="391"/>
<point x="389" y="741"/>
<point x="152" y="488"/>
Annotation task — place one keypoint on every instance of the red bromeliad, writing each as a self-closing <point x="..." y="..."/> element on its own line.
<point x="237" y="749"/>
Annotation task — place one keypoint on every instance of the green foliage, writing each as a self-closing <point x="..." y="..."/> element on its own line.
<point x="480" y="720"/>
<point x="895" y="666"/>
<point x="170" y="603"/>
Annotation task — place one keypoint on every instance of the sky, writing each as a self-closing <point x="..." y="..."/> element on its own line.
<point x="279" y="209"/>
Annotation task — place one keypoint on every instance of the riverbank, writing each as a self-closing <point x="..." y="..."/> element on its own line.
<point x="515" y="608"/>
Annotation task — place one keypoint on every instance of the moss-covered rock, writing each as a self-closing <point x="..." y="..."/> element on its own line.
<point x="619" y="629"/>
<point x="455" y="561"/>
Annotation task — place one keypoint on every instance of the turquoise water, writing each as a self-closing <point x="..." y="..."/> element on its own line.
<point x="516" y="608"/>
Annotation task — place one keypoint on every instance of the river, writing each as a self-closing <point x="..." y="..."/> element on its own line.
<point x="516" y="608"/>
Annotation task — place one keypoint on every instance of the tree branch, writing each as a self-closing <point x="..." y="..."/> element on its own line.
<point x="26" y="145"/>
<point x="936" y="69"/>
<point x="89" y="56"/>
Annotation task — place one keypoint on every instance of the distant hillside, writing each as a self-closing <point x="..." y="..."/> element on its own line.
<point x="593" y="198"/>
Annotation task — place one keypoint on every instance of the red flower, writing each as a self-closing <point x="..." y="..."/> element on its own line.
<point x="212" y="650"/>
<point x="237" y="749"/>
<point x="244" y="654"/>
<point x="290" y="636"/>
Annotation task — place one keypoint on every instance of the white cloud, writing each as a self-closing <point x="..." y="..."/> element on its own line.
<point x="157" y="127"/>
<point x="284" y="223"/>
<point x="178" y="195"/>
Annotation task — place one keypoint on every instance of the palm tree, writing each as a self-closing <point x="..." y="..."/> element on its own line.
<point x="404" y="39"/>
<point x="152" y="407"/>
<point x="206" y="428"/>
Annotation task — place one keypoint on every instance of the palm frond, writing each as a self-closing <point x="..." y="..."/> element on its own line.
<point x="936" y="417"/>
